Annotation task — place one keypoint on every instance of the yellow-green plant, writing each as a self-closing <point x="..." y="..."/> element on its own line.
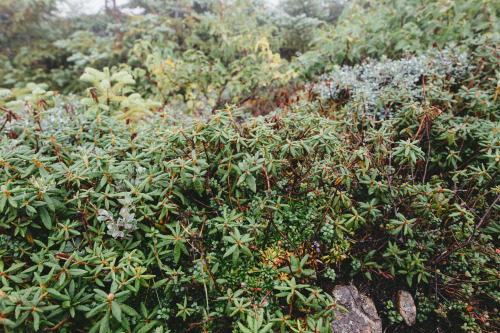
<point x="111" y="93"/>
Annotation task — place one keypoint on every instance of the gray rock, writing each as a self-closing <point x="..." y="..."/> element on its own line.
<point x="362" y="316"/>
<point x="406" y="307"/>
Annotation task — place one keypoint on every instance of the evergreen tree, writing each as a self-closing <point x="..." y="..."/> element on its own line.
<point x="325" y="10"/>
<point x="27" y="30"/>
<point x="22" y="22"/>
<point x="174" y="8"/>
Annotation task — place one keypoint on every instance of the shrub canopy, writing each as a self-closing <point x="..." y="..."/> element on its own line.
<point x="149" y="201"/>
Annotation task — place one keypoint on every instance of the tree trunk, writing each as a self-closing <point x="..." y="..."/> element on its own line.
<point x="115" y="12"/>
<point x="176" y="12"/>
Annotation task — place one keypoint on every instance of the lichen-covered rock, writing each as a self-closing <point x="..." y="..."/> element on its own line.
<point x="362" y="316"/>
<point x="406" y="307"/>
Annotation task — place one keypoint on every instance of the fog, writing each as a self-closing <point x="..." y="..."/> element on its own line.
<point x="86" y="6"/>
<point x="93" y="6"/>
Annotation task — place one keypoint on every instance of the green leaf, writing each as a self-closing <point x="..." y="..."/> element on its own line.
<point x="246" y="250"/>
<point x="16" y="279"/>
<point x="57" y="295"/>
<point x="95" y="310"/>
<point x="160" y="283"/>
<point x="49" y="202"/>
<point x="267" y="328"/>
<point x="36" y="321"/>
<point x="12" y="201"/>
<point x="236" y="255"/>
<point x="244" y="329"/>
<point x="104" y="327"/>
<point x="28" y="171"/>
<point x="409" y="279"/>
<point x="251" y="183"/>
<point x="397" y="230"/>
<point x="129" y="310"/>
<point x="103" y="181"/>
<point x="147" y="327"/>
<point x="117" y="312"/>
<point x="198" y="186"/>
<point x="101" y="293"/>
<point x="177" y="252"/>
<point x="77" y="271"/>
<point x="126" y="324"/>
<point x="241" y="179"/>
<point x="15" y="267"/>
<point x="46" y="220"/>
<point x="7" y="322"/>
<point x="71" y="288"/>
<point x="293" y="261"/>
<point x="230" y="250"/>
<point x="22" y="318"/>
<point x="3" y="201"/>
<point x="229" y="239"/>
<point x="144" y="311"/>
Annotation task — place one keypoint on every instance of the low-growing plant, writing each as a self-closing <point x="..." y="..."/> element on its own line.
<point x="237" y="223"/>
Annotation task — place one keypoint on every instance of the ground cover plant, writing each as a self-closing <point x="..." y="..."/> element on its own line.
<point x="143" y="198"/>
<point x="234" y="224"/>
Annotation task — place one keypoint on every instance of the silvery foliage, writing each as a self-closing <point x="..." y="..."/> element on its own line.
<point x="53" y="119"/>
<point x="368" y="83"/>
<point x="125" y="223"/>
<point x="5" y="93"/>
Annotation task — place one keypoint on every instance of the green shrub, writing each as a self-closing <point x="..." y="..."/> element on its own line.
<point x="240" y="223"/>
<point x="383" y="173"/>
<point x="397" y="28"/>
<point x="197" y="217"/>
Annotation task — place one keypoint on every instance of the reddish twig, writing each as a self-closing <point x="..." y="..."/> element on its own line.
<point x="55" y="327"/>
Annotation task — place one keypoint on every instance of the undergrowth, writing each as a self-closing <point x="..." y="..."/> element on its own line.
<point x="245" y="224"/>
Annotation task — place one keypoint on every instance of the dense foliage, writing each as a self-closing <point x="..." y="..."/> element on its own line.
<point x="398" y="28"/>
<point x="141" y="198"/>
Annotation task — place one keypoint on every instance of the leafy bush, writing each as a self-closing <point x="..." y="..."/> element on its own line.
<point x="198" y="194"/>
<point x="108" y="93"/>
<point x="118" y="214"/>
<point x="395" y="28"/>
<point x="193" y="63"/>
<point x="370" y="84"/>
<point x="244" y="224"/>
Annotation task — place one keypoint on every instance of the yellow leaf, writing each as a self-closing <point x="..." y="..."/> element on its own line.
<point x="170" y="62"/>
<point x="29" y="237"/>
<point x="198" y="128"/>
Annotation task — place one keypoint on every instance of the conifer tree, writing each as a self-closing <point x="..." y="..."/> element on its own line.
<point x="109" y="93"/>
<point x="325" y="10"/>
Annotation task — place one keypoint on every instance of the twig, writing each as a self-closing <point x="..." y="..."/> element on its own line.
<point x="428" y="151"/>
<point x="446" y="254"/>
<point x="55" y="327"/>
<point x="286" y="238"/>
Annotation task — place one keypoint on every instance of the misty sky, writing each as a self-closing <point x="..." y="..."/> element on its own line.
<point x="93" y="6"/>
<point x="89" y="6"/>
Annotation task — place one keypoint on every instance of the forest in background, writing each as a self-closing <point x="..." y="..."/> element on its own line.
<point x="222" y="165"/>
<point x="194" y="56"/>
